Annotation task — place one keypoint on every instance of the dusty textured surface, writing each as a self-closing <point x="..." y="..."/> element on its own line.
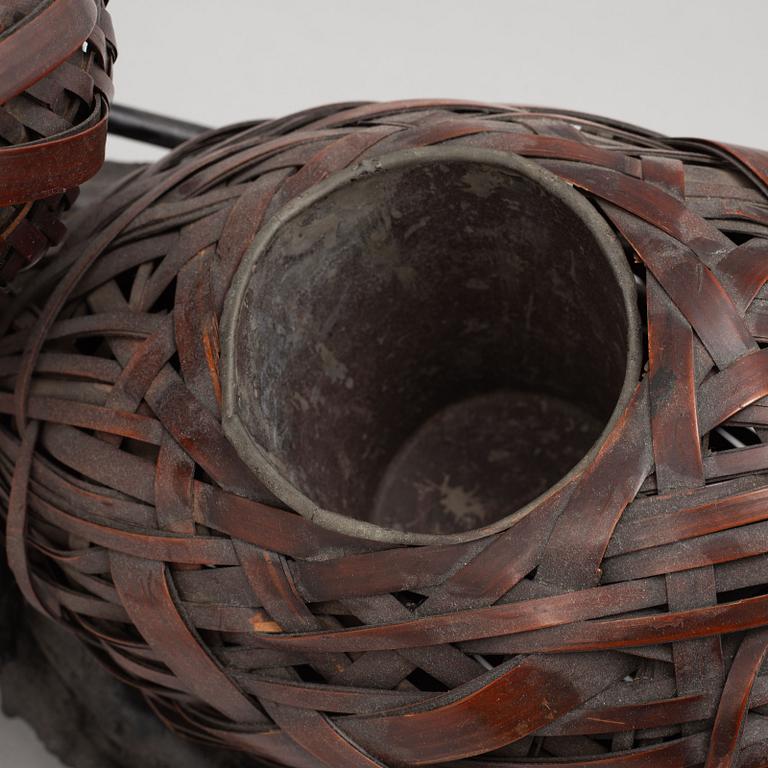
<point x="471" y="463"/>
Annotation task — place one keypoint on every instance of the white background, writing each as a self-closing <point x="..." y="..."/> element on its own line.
<point x="684" y="67"/>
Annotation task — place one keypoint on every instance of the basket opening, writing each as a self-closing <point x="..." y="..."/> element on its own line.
<point x="430" y="345"/>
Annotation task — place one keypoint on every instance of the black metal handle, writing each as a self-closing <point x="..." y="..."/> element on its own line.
<point x="150" y="127"/>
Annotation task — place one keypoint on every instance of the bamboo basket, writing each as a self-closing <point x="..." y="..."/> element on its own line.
<point x="415" y="433"/>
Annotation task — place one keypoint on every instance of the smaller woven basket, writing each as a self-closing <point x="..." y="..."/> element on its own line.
<point x="55" y="85"/>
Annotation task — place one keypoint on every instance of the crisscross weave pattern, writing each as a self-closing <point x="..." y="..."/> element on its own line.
<point x="55" y="84"/>
<point x="622" y="623"/>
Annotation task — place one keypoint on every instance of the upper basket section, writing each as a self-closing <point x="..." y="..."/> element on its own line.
<point x="427" y="342"/>
<point x="448" y="262"/>
<point x="56" y="61"/>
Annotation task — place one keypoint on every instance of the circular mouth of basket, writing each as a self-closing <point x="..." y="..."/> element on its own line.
<point x="422" y="348"/>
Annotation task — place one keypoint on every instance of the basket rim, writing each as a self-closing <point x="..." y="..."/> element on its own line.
<point x="257" y="458"/>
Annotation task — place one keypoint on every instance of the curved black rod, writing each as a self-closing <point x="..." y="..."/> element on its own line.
<point x="150" y="127"/>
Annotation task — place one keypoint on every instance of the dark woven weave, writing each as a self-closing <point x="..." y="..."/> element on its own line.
<point x="622" y="623"/>
<point x="55" y="84"/>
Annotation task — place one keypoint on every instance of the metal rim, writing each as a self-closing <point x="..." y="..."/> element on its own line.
<point x="257" y="459"/>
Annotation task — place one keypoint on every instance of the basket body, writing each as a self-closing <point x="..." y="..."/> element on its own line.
<point x="618" y="618"/>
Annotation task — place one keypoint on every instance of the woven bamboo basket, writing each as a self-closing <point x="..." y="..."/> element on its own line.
<point x="55" y="85"/>
<point x="413" y="433"/>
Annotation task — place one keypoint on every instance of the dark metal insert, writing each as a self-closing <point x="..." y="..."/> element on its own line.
<point x="428" y="343"/>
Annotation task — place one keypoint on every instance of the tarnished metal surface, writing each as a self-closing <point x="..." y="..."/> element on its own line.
<point x="620" y="621"/>
<point x="374" y="317"/>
